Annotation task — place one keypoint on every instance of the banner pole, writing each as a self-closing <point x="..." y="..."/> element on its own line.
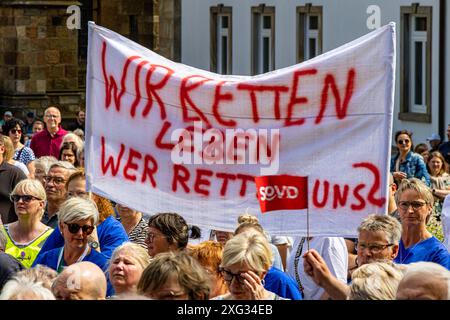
<point x="307" y="227"/>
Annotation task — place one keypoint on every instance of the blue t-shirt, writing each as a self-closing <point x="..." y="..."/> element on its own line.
<point x="431" y="250"/>
<point x="50" y="259"/>
<point x="111" y="234"/>
<point x="282" y="284"/>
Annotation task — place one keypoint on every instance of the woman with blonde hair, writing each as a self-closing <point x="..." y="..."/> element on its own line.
<point x="246" y="259"/>
<point x="275" y="279"/>
<point x="375" y="281"/>
<point x="127" y="263"/>
<point x="415" y="205"/>
<point x="26" y="236"/>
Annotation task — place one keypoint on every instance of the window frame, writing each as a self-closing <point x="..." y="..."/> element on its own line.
<point x="257" y="16"/>
<point x="303" y="15"/>
<point x="216" y="13"/>
<point x="408" y="110"/>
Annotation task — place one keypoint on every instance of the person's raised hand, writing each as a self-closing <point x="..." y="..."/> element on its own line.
<point x="254" y="285"/>
<point x="315" y="267"/>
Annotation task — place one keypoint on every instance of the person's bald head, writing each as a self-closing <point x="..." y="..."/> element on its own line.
<point x="52" y="118"/>
<point x="424" y="281"/>
<point x="80" y="281"/>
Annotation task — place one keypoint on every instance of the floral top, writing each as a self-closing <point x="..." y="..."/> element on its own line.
<point x="413" y="166"/>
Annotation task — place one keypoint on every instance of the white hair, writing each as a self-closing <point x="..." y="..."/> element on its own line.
<point x="25" y="289"/>
<point x="72" y="137"/>
<point x="375" y="281"/>
<point x="76" y="209"/>
<point x="428" y="270"/>
<point x="63" y="164"/>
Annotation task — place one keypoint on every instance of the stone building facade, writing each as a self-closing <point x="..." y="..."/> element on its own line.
<point x="43" y="62"/>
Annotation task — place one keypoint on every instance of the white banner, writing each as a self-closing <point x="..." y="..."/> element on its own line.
<point x="161" y="136"/>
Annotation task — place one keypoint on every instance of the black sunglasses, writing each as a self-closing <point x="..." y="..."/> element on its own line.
<point x="73" y="228"/>
<point x="406" y="141"/>
<point x="25" y="198"/>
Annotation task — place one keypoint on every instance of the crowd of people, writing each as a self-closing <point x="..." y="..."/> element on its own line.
<point x="60" y="242"/>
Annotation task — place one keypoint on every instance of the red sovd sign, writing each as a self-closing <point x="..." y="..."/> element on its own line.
<point x="282" y="192"/>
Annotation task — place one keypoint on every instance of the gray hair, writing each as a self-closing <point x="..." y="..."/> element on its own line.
<point x="63" y="164"/>
<point x="133" y="250"/>
<point x="39" y="274"/>
<point x="375" y="281"/>
<point x="73" y="137"/>
<point x="76" y="209"/>
<point x="385" y="223"/>
<point x="25" y="289"/>
<point x="46" y="162"/>
<point x="428" y="270"/>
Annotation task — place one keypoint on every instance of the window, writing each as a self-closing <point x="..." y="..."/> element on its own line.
<point x="415" y="69"/>
<point x="221" y="58"/>
<point x="263" y="34"/>
<point x="309" y="32"/>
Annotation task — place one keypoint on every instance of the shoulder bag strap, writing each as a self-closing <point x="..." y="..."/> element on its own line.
<point x="297" y="257"/>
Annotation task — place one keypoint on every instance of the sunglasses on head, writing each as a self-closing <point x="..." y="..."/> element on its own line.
<point x="25" y="198"/>
<point x="406" y="141"/>
<point x="14" y="131"/>
<point x="74" y="228"/>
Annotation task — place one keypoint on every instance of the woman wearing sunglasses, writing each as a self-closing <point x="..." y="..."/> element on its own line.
<point x="77" y="218"/>
<point x="14" y="129"/>
<point x="26" y="236"/>
<point x="415" y="204"/>
<point x="246" y="259"/>
<point x="406" y="163"/>
<point x="109" y="233"/>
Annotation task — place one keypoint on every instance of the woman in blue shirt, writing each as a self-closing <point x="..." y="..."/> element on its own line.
<point x="415" y="204"/>
<point x="77" y="218"/>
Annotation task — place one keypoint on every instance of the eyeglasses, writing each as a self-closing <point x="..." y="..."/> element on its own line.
<point x="51" y="116"/>
<point x="74" y="228"/>
<point x="151" y="236"/>
<point x="25" y="198"/>
<point x="416" y="205"/>
<point x="373" y="247"/>
<point x="169" y="295"/>
<point x="228" y="276"/>
<point x="56" y="180"/>
<point x="406" y="141"/>
<point x="14" y="131"/>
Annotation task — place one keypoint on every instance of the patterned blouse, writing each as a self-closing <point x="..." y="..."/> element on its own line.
<point x="139" y="233"/>
<point x="24" y="155"/>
